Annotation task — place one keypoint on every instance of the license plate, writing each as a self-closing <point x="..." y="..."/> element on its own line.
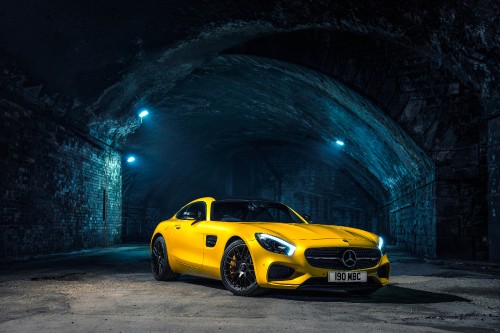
<point x="347" y="276"/>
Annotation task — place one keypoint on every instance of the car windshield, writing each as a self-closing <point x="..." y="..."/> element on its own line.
<point x="252" y="211"/>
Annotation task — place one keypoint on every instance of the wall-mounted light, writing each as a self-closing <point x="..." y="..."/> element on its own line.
<point x="130" y="159"/>
<point x="340" y="142"/>
<point x="143" y="113"/>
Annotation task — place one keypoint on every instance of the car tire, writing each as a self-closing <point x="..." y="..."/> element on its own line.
<point x="159" y="261"/>
<point x="237" y="270"/>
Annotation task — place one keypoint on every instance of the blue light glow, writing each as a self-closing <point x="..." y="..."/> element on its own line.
<point x="380" y="243"/>
<point x="340" y="142"/>
<point x="143" y="113"/>
<point x="130" y="159"/>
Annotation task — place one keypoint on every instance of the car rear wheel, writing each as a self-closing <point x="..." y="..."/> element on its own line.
<point x="237" y="270"/>
<point x="159" y="261"/>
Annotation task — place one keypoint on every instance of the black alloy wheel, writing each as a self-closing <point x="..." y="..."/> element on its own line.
<point x="159" y="261"/>
<point x="237" y="270"/>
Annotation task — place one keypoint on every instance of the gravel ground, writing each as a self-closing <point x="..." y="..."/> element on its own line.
<point x="112" y="290"/>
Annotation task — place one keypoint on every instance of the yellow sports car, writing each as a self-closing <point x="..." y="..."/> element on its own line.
<point x="252" y="245"/>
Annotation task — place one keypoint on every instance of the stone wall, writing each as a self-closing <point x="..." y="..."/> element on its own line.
<point x="494" y="187"/>
<point x="60" y="189"/>
<point x="411" y="218"/>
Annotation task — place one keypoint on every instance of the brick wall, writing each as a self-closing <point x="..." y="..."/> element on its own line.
<point x="494" y="186"/>
<point x="411" y="218"/>
<point x="59" y="190"/>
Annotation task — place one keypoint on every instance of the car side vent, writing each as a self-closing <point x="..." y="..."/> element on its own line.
<point x="211" y="241"/>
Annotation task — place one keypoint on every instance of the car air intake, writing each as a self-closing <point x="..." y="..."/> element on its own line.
<point x="383" y="271"/>
<point x="279" y="272"/>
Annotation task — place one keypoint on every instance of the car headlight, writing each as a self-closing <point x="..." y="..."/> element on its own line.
<point x="275" y="244"/>
<point x="380" y="245"/>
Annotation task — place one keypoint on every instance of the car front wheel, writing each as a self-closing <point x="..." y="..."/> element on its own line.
<point x="237" y="270"/>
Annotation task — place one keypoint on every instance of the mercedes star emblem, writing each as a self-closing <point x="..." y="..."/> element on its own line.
<point x="349" y="258"/>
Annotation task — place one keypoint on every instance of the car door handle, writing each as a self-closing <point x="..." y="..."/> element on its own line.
<point x="177" y="226"/>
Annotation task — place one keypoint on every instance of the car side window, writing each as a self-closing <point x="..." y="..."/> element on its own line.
<point x="180" y="214"/>
<point x="199" y="208"/>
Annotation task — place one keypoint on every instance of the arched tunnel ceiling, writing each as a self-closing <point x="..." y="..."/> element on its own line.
<point x="234" y="103"/>
<point x="104" y="57"/>
<point x="104" y="60"/>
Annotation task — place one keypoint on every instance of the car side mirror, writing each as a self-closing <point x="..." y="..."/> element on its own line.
<point x="191" y="216"/>
<point x="308" y="218"/>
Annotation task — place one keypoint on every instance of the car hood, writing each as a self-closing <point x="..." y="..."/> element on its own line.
<point x="295" y="231"/>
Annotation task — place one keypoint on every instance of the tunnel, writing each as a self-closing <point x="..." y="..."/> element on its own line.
<point x="245" y="144"/>
<point x="383" y="118"/>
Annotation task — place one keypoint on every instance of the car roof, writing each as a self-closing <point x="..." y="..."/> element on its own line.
<point x="223" y="199"/>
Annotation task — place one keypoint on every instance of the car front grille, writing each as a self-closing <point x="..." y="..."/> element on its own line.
<point x="331" y="257"/>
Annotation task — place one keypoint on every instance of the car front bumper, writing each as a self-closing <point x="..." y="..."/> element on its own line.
<point x="306" y="276"/>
